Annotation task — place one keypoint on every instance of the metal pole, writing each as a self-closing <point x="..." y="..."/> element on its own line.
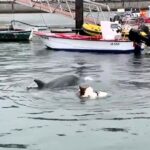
<point x="123" y="4"/>
<point x="12" y="6"/>
<point x="79" y="14"/>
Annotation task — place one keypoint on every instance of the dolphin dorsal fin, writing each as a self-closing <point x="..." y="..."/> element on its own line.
<point x="39" y="83"/>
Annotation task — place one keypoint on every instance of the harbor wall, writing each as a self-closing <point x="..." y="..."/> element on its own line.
<point x="8" y="7"/>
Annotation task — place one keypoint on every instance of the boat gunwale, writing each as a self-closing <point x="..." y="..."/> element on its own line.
<point x="14" y="31"/>
<point x="53" y="35"/>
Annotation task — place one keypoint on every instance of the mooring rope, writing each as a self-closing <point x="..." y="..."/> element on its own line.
<point x="13" y="21"/>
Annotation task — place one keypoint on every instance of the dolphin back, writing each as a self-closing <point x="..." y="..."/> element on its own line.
<point x="69" y="80"/>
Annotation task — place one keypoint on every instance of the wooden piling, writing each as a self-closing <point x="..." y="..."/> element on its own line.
<point x="79" y="14"/>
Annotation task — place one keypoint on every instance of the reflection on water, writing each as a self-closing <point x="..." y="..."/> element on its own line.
<point x="58" y="119"/>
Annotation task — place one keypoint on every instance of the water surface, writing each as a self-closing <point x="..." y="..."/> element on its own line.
<point x="51" y="119"/>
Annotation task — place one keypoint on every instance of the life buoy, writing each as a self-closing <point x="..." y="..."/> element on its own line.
<point x="91" y="29"/>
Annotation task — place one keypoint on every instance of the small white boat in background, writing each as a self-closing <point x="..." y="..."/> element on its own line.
<point x="111" y="41"/>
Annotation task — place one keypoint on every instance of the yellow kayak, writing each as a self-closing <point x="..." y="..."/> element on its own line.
<point x="91" y="29"/>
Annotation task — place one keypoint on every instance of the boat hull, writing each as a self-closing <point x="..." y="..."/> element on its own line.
<point x="100" y="46"/>
<point x="14" y="36"/>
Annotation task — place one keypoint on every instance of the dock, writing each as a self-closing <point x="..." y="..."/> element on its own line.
<point x="28" y="6"/>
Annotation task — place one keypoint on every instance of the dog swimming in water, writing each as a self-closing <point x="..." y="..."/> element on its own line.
<point x="88" y="92"/>
<point x="67" y="81"/>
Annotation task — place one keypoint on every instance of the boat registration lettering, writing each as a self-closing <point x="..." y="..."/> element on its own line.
<point x="44" y="37"/>
<point x="115" y="43"/>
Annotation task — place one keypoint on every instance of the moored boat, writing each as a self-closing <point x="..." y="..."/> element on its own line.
<point x="74" y="43"/>
<point x="110" y="42"/>
<point x="11" y="34"/>
<point x="14" y="35"/>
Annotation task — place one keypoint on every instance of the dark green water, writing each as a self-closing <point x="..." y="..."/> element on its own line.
<point x="58" y="120"/>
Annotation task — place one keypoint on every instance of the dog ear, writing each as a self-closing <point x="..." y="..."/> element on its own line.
<point x="82" y="87"/>
<point x="82" y="90"/>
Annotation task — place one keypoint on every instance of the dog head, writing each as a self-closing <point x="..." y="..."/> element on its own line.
<point x="85" y="91"/>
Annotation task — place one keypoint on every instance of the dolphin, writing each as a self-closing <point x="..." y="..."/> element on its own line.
<point x="61" y="82"/>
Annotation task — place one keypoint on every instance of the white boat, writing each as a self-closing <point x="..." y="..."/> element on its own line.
<point x="110" y="42"/>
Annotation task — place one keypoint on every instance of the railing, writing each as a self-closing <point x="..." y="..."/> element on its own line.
<point x="67" y="8"/>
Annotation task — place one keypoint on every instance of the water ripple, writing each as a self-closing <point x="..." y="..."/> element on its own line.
<point x="19" y="146"/>
<point x="53" y="119"/>
<point x="40" y="119"/>
<point x="115" y="129"/>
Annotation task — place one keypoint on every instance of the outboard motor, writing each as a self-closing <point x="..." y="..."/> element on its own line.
<point x="144" y="28"/>
<point x="136" y="38"/>
<point x="139" y="36"/>
<point x="146" y="38"/>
